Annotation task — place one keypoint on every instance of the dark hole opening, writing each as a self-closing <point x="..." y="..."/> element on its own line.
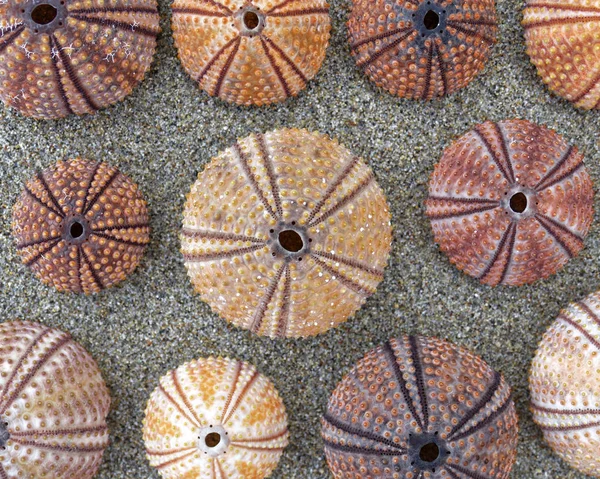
<point x="212" y="439"/>
<point x="429" y="452"/>
<point x="76" y="229"/>
<point x="43" y="14"/>
<point x="518" y="202"/>
<point x="251" y="20"/>
<point x="431" y="20"/>
<point x="290" y="240"/>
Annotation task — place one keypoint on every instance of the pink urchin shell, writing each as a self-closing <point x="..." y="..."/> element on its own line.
<point x="510" y="202"/>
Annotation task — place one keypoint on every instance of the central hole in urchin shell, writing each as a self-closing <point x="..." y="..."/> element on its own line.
<point x="212" y="439"/>
<point x="44" y="14"/>
<point x="431" y="20"/>
<point x="76" y="230"/>
<point x="429" y="452"/>
<point x="518" y="202"/>
<point x="251" y="20"/>
<point x="290" y="241"/>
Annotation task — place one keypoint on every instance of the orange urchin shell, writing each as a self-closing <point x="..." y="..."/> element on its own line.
<point x="286" y="233"/>
<point x="564" y="44"/>
<point x="215" y="418"/>
<point x="53" y="405"/>
<point x="422" y="49"/>
<point x="59" y="57"/>
<point x="81" y="226"/>
<point x="565" y="385"/>
<point x="419" y="407"/>
<point x="251" y="53"/>
<point x="510" y="202"/>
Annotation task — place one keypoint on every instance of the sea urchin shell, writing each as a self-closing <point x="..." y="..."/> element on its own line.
<point x="420" y="407"/>
<point x="59" y="57"/>
<point x="563" y="42"/>
<point x="251" y="53"/>
<point x="53" y="405"/>
<point x="81" y="226"/>
<point x="422" y="49"/>
<point x="215" y="418"/>
<point x="286" y="234"/>
<point x="565" y="385"/>
<point x="510" y="202"/>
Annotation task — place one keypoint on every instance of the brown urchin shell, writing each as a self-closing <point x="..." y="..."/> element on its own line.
<point x="59" y="57"/>
<point x="251" y="53"/>
<point x="422" y="49"/>
<point x="510" y="202"/>
<point x="565" y="385"/>
<point x="53" y="405"/>
<point x="81" y="226"/>
<point x="419" y="407"/>
<point x="563" y="43"/>
<point x="286" y="233"/>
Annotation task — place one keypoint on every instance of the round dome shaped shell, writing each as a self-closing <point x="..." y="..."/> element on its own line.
<point x="565" y="386"/>
<point x="563" y="43"/>
<point x="510" y="202"/>
<point x="286" y="233"/>
<point x="53" y="405"/>
<point x="215" y="417"/>
<point x="81" y="226"/>
<point x="422" y="49"/>
<point x="251" y="53"/>
<point x="59" y="57"/>
<point x="420" y="407"/>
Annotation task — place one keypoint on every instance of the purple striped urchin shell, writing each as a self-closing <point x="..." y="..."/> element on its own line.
<point x="419" y="407"/>
<point x="565" y="385"/>
<point x="510" y="202"/>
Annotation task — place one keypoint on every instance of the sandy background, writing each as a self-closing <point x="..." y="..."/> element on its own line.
<point x="165" y="132"/>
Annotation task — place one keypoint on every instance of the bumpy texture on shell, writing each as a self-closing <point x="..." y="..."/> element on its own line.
<point x="563" y="41"/>
<point x="251" y="53"/>
<point x="81" y="226"/>
<point x="215" y="398"/>
<point x="565" y="385"/>
<point x="420" y="407"/>
<point x="83" y="56"/>
<point x="53" y="405"/>
<point x="422" y="49"/>
<point x="286" y="183"/>
<point x="510" y="202"/>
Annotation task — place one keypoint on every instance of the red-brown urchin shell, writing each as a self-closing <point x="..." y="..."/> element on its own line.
<point x="251" y="53"/>
<point x="419" y="407"/>
<point x="59" y="57"/>
<point x="81" y="226"/>
<point x="53" y="405"/>
<point x="422" y="49"/>
<point x="565" y="385"/>
<point x="563" y="42"/>
<point x="215" y="418"/>
<point x="286" y="233"/>
<point x="510" y="202"/>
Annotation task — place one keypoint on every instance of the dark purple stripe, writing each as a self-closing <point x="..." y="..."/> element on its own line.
<point x="361" y="433"/>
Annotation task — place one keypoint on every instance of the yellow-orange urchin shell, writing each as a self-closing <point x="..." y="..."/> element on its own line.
<point x="215" y="418"/>
<point x="59" y="57"/>
<point x="417" y="408"/>
<point x="286" y="233"/>
<point x="53" y="405"/>
<point x="251" y="53"/>
<point x="422" y="49"/>
<point x="565" y="385"/>
<point x="563" y="42"/>
<point x="81" y="226"/>
<point x="510" y="202"/>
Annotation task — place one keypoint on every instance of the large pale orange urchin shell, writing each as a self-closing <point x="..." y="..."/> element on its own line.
<point x="251" y="53"/>
<point x="510" y="202"/>
<point x="286" y="233"/>
<point x="563" y="41"/>
<point x="81" y="226"/>
<point x="564" y="383"/>
<point x="59" y="57"/>
<point x="422" y="49"/>
<point x="215" y="418"/>
<point x="418" y="408"/>
<point x="53" y="405"/>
